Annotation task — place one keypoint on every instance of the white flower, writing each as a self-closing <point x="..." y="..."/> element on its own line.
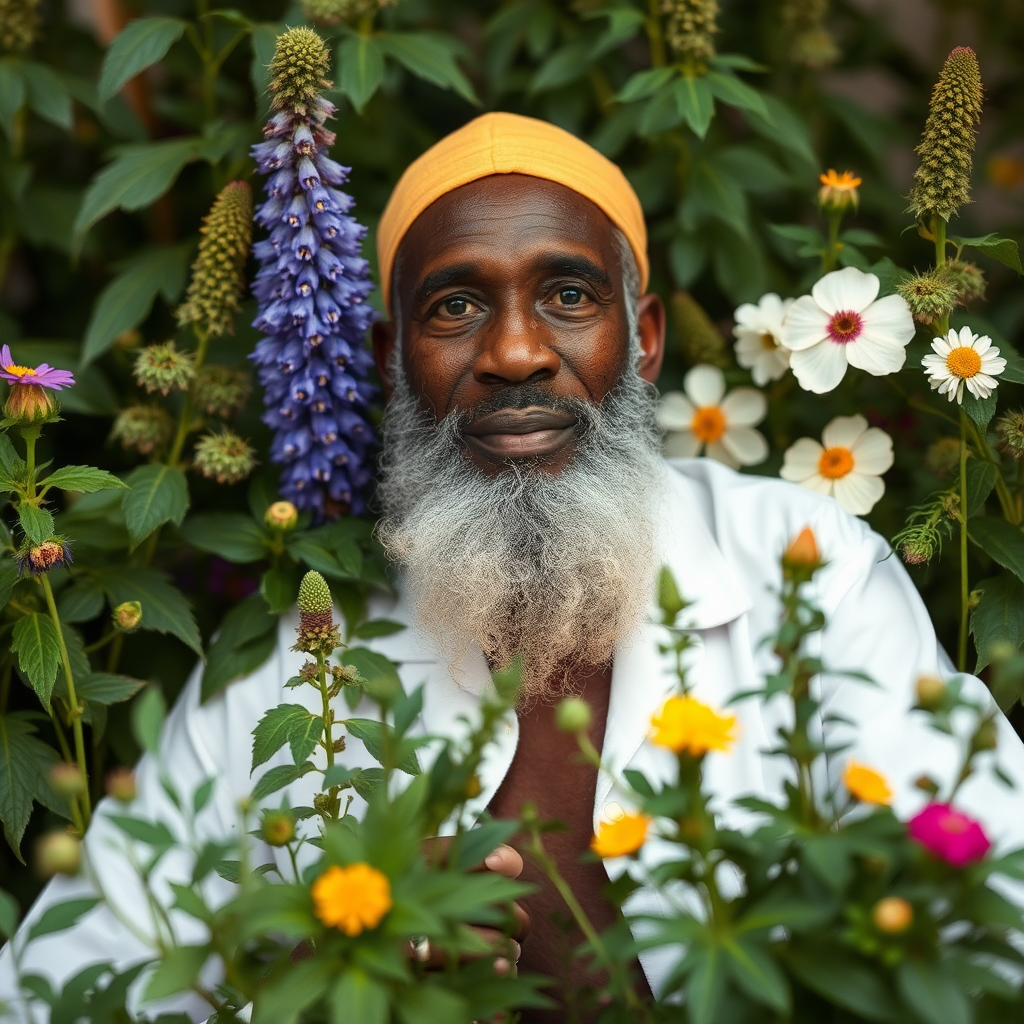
<point x="842" y="323"/>
<point x="758" y="334"/>
<point x="706" y="416"/>
<point x="961" y="359"/>
<point x="849" y="466"/>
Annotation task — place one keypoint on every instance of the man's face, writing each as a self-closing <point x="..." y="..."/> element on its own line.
<point x="511" y="281"/>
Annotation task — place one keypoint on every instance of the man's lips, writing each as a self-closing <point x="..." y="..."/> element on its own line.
<point x="520" y="433"/>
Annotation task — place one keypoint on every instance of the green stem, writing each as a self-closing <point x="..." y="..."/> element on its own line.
<point x="961" y="661"/>
<point x="30" y="436"/>
<point x="74" y="710"/>
<point x="939" y="231"/>
<point x="185" y="420"/>
<point x="654" y="34"/>
<point x="321" y="678"/>
<point x="830" y="259"/>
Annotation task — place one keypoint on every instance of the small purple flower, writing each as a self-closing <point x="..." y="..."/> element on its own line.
<point x="311" y="290"/>
<point x="43" y="374"/>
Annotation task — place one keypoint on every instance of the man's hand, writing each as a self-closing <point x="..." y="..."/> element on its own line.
<point x="503" y="861"/>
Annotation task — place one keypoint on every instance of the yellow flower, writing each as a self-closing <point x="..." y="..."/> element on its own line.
<point x="351" y="898"/>
<point x="866" y="784"/>
<point x="684" y="723"/>
<point x="625" y="834"/>
<point x="838" y="191"/>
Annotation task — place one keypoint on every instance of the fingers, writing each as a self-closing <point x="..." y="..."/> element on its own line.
<point x="504" y="861"/>
<point x="522" y="927"/>
<point x="433" y="956"/>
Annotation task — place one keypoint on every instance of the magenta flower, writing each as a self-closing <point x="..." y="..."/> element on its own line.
<point x="43" y="374"/>
<point x="949" y="835"/>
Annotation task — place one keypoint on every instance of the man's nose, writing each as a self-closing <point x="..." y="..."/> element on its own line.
<point x="516" y="353"/>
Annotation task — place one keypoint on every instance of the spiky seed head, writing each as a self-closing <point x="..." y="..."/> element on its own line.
<point x="142" y="428"/>
<point x="967" y="278"/>
<point x="314" y="593"/>
<point x="1010" y="434"/>
<point x="224" y="457"/>
<point x="942" y="457"/>
<point x="299" y="69"/>
<point x="221" y="390"/>
<point x="163" y="368"/>
<point x="218" y="273"/>
<point x="942" y="182"/>
<point x="690" y="29"/>
<point x="929" y="296"/>
<point x="317" y="632"/>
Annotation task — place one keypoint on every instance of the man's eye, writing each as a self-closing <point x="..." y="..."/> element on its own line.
<point x="455" y="307"/>
<point x="570" y="296"/>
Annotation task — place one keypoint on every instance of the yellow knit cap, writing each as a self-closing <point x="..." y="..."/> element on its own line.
<point x="502" y="143"/>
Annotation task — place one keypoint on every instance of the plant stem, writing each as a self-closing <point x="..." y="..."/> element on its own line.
<point x="30" y="436"/>
<point x="655" y="35"/>
<point x="961" y="661"/>
<point x="185" y="420"/>
<point x="5" y="685"/>
<point x="831" y="256"/>
<point x="74" y="710"/>
<point x="321" y="678"/>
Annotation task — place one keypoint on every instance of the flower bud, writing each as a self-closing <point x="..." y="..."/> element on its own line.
<point x="66" y="780"/>
<point x="926" y="784"/>
<point x="278" y="828"/>
<point x="892" y="915"/>
<point x="966" y="278"/>
<point x="802" y="555"/>
<point x="31" y="404"/>
<point x="36" y="559"/>
<point x="942" y="457"/>
<point x="1010" y="434"/>
<point x="986" y="736"/>
<point x="316" y="630"/>
<point x="58" y="853"/>
<point x="163" y="368"/>
<point x="838" y="191"/>
<point x="142" y="428"/>
<point x="917" y="550"/>
<point x="573" y="715"/>
<point x="224" y="456"/>
<point x="128" y="616"/>
<point x="120" y="784"/>
<point x="281" y="515"/>
<point x="929" y="296"/>
<point x="931" y="693"/>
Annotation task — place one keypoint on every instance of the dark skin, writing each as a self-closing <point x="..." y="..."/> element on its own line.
<point x="513" y="280"/>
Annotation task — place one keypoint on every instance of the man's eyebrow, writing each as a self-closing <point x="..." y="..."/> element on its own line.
<point x="574" y="266"/>
<point x="443" y="278"/>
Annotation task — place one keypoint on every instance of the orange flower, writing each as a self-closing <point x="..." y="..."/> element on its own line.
<point x="351" y="898"/>
<point x="838" y="191"/>
<point x="865" y="784"/>
<point x="684" y="723"/>
<point x="623" y="835"/>
<point x="803" y="550"/>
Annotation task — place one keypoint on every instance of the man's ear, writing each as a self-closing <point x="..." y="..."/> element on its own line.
<point x="383" y="335"/>
<point x="651" y="323"/>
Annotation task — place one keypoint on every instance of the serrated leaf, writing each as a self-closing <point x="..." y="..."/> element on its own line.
<point x="1001" y="541"/>
<point x="695" y="103"/>
<point x="23" y="760"/>
<point x="37" y="645"/>
<point x="148" y="715"/>
<point x="377" y="674"/>
<point x="279" y="777"/>
<point x="61" y="917"/>
<point x="47" y="94"/>
<point x="80" y="602"/>
<point x="1005" y="250"/>
<point x="36" y="522"/>
<point x="427" y="57"/>
<point x="229" y="535"/>
<point x="107" y="688"/>
<point x="980" y="410"/>
<point x="85" y="479"/>
<point x="734" y="91"/>
<point x="139" y="45"/>
<point x="998" y="617"/>
<point x="247" y="638"/>
<point x="981" y="478"/>
<point x="287" y="723"/>
<point x="12" y="93"/>
<point x="164" y="607"/>
<point x="374" y="736"/>
<point x="8" y="578"/>
<point x="360" y="69"/>
<point x="126" y="299"/>
<point x="157" y="494"/>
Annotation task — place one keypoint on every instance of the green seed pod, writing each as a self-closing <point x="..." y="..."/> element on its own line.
<point x="224" y="457"/>
<point x="317" y="632"/>
<point x="299" y="69"/>
<point x="1010" y="434"/>
<point x="221" y="391"/>
<point x="930" y="296"/>
<point x="163" y="368"/>
<point x="573" y="715"/>
<point x="142" y="428"/>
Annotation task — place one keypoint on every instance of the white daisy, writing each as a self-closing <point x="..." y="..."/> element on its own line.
<point x="849" y="465"/>
<point x="842" y="323"/>
<point x="960" y="359"/>
<point x="706" y="417"/>
<point x="758" y="334"/>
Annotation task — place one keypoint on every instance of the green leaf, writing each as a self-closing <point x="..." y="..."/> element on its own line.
<point x="164" y="608"/>
<point x="738" y="62"/>
<point x="287" y="723"/>
<point x="176" y="971"/>
<point x="374" y="735"/>
<point x="35" y="521"/>
<point x="1000" y="541"/>
<point x="278" y="587"/>
<point x="427" y="1004"/>
<point x="279" y="777"/>
<point x="360" y="69"/>
<point x="980" y="410"/>
<point x="562" y="67"/>
<point x="998" y="617"/>
<point x="717" y="194"/>
<point x="757" y="973"/>
<point x="107" y="688"/>
<point x="695" y="103"/>
<point x="158" y="494"/>
<point x="48" y="95"/>
<point x="645" y="83"/>
<point x="84" y="479"/>
<point x="140" y="44"/>
<point x="358" y="997"/>
<point x="377" y="674"/>
<point x="373" y="628"/>
<point x="981" y="478"/>
<point x="12" y="93"/>
<point x="248" y="636"/>
<point x="148" y="715"/>
<point x="429" y="57"/>
<point x="155" y="834"/>
<point x="784" y="128"/>
<point x="9" y="914"/>
<point x="1004" y="250"/>
<point x="8" y="578"/>
<point x="229" y="535"/>
<point x="127" y="298"/>
<point x="10" y="461"/>
<point x="23" y="761"/>
<point x="61" y="917"/>
<point x="840" y="977"/>
<point x="734" y="91"/>
<point x="705" y="985"/>
<point x="138" y="175"/>
<point x="930" y="991"/>
<point x="281" y="1001"/>
<point x="37" y="645"/>
<point x="80" y="602"/>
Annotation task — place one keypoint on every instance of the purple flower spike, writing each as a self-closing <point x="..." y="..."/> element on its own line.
<point x="311" y="289"/>
<point x="43" y="375"/>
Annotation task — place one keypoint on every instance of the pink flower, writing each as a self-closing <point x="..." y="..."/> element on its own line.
<point x="950" y="835"/>
<point x="44" y="374"/>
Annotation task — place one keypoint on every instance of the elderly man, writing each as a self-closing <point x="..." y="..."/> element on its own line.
<point x="527" y="508"/>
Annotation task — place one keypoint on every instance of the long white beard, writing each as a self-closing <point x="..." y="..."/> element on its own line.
<point x="553" y="567"/>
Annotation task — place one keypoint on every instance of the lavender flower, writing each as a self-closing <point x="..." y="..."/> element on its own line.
<point x="311" y="288"/>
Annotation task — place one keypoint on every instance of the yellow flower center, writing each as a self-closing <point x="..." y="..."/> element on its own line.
<point x="20" y="371"/>
<point x="685" y="724"/>
<point x="708" y="423"/>
<point x="624" y="835"/>
<point x="963" y="362"/>
<point x="768" y="342"/>
<point x="351" y="899"/>
<point x="835" y="462"/>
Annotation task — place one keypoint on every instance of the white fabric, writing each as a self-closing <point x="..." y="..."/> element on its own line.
<point x="721" y="534"/>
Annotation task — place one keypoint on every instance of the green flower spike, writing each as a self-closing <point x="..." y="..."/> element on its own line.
<point x="18" y="23"/>
<point x="298" y="70"/>
<point x="942" y="183"/>
<point x="218" y="273"/>
<point x="317" y="631"/>
<point x="224" y="457"/>
<point x="163" y="368"/>
<point x="690" y="29"/>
